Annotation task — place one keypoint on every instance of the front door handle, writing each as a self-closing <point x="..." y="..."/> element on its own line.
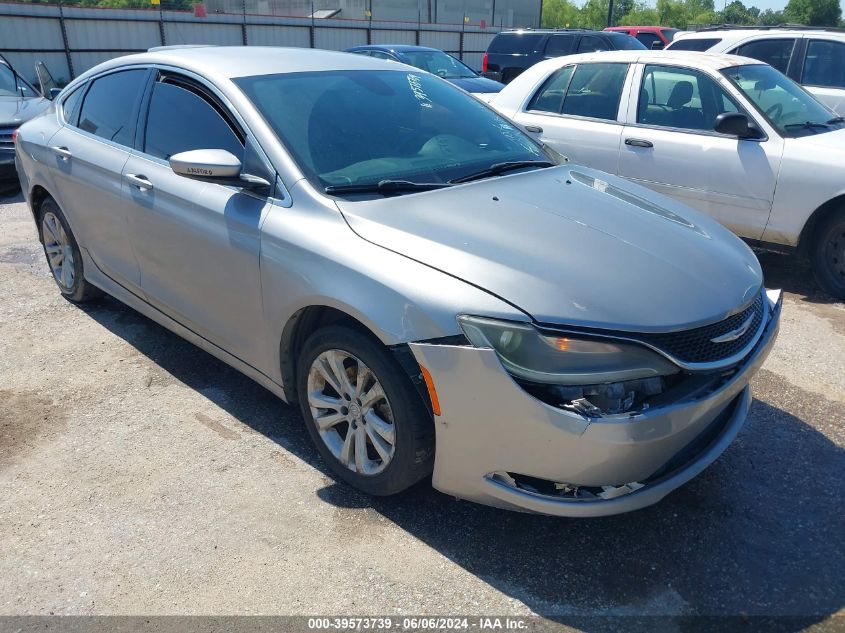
<point x="534" y="128"/>
<point x="61" y="151"/>
<point x="140" y="181"/>
<point x="638" y="142"/>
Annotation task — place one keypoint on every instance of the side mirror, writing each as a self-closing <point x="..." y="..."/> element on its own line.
<point x="657" y="46"/>
<point x="54" y="92"/>
<point x="215" y="165"/>
<point x="736" y="124"/>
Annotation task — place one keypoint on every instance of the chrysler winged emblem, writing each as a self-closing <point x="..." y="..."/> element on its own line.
<point x="727" y="337"/>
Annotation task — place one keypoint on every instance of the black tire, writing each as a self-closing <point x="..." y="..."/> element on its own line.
<point x="80" y="290"/>
<point x="413" y="455"/>
<point x="829" y="254"/>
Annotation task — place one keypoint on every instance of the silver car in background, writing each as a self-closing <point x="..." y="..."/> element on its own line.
<point x="433" y="290"/>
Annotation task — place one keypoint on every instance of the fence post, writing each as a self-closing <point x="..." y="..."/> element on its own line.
<point x="64" y="41"/>
<point x="243" y="24"/>
<point x="161" y="26"/>
<point x="311" y="29"/>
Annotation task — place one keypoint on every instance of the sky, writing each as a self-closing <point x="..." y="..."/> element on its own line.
<point x="761" y="4"/>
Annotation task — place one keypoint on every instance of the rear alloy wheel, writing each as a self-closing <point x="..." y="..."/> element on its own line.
<point x="829" y="255"/>
<point x="63" y="256"/>
<point x="367" y="420"/>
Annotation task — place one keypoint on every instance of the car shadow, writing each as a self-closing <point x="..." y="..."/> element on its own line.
<point x="760" y="533"/>
<point x="794" y="275"/>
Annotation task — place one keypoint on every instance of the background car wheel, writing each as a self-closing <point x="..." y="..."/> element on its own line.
<point x="63" y="256"/>
<point x="829" y="255"/>
<point x="367" y="420"/>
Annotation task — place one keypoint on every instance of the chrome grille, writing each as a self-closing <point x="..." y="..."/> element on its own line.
<point x="6" y="141"/>
<point x="697" y="346"/>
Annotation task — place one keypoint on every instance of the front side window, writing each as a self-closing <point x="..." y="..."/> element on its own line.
<point x="360" y="127"/>
<point x="787" y="106"/>
<point x="181" y="120"/>
<point x="775" y="52"/>
<point x="438" y="63"/>
<point x="824" y="65"/>
<point x="560" y="45"/>
<point x="681" y="98"/>
<point x="595" y="91"/>
<point x="592" y="44"/>
<point x="381" y="55"/>
<point x="110" y="106"/>
<point x="549" y="97"/>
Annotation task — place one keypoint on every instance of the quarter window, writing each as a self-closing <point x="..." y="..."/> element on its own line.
<point x="681" y="98"/>
<point x="110" y="106"/>
<point x="70" y="106"/>
<point x="180" y="120"/>
<point x="775" y="52"/>
<point x="825" y="64"/>
<point x="595" y="91"/>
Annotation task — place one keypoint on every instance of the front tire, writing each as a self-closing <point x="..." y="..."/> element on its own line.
<point x="829" y="255"/>
<point x="362" y="412"/>
<point x="63" y="255"/>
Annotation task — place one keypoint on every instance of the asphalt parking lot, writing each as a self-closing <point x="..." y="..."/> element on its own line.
<point x="142" y="476"/>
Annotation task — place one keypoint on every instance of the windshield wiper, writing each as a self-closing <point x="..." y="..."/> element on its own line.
<point x="500" y="168"/>
<point x="836" y="119"/>
<point x="386" y="187"/>
<point x="806" y="124"/>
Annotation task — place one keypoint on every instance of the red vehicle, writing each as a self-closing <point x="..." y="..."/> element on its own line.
<point x="653" y="37"/>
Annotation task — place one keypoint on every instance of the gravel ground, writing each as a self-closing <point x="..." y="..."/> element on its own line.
<point x="139" y="475"/>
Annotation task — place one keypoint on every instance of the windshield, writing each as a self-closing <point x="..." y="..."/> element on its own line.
<point x="12" y="85"/>
<point x="786" y="105"/>
<point x="437" y="63"/>
<point x="356" y="127"/>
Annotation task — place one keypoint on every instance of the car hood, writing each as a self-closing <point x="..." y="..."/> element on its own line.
<point x="477" y="84"/>
<point x="17" y="110"/>
<point x="571" y="245"/>
<point x="831" y="140"/>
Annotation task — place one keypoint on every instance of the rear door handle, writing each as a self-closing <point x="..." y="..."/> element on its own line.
<point x="62" y="152"/>
<point x="534" y="128"/>
<point x="137" y="180"/>
<point x="638" y="142"/>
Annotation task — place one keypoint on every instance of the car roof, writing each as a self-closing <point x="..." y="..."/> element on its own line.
<point x="632" y="28"/>
<point x="714" y="61"/>
<point x="544" y="31"/>
<point x="738" y="34"/>
<point x="399" y="48"/>
<point x="229" y="62"/>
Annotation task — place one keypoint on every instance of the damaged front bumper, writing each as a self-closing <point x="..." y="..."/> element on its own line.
<point x="497" y="444"/>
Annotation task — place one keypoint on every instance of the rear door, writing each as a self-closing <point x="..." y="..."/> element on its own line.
<point x="823" y="72"/>
<point x="197" y="242"/>
<point x="89" y="153"/>
<point x="576" y="111"/>
<point x="670" y="146"/>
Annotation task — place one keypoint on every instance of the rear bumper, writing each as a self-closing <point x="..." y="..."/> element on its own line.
<point x="490" y="425"/>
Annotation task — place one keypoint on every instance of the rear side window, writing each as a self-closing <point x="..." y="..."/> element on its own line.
<point x="591" y="44"/>
<point x="775" y="52"/>
<point x="825" y="64"/>
<point x="622" y="42"/>
<point x="559" y="45"/>
<point x="694" y="44"/>
<point x="521" y="43"/>
<point x="180" y="120"/>
<point x="549" y="97"/>
<point x="70" y="106"/>
<point x="110" y="108"/>
<point x="595" y="91"/>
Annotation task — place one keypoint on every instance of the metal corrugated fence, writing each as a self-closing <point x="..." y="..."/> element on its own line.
<point x="70" y="39"/>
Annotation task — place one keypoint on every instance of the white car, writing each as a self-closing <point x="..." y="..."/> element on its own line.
<point x="725" y="134"/>
<point x="814" y="58"/>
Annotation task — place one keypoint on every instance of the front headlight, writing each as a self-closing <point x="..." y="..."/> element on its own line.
<point x="563" y="360"/>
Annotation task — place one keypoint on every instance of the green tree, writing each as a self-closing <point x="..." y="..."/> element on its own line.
<point x="770" y="17"/>
<point x="736" y="13"/>
<point x="814" y="12"/>
<point x="560" y="14"/>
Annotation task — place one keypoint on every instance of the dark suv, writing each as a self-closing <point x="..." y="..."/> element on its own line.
<point x="511" y="52"/>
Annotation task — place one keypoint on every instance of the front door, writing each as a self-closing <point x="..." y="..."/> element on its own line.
<point x="576" y="112"/>
<point x="197" y="243"/>
<point x="671" y="147"/>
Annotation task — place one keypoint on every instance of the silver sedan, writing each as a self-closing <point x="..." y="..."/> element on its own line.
<point x="439" y="293"/>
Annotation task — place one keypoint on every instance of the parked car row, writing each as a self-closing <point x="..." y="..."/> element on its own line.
<point x="439" y="292"/>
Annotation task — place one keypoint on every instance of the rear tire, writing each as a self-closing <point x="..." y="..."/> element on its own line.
<point x="379" y="445"/>
<point x="829" y="255"/>
<point x="63" y="255"/>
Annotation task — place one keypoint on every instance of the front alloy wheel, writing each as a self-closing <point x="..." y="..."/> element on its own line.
<point x="351" y="411"/>
<point x="368" y="421"/>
